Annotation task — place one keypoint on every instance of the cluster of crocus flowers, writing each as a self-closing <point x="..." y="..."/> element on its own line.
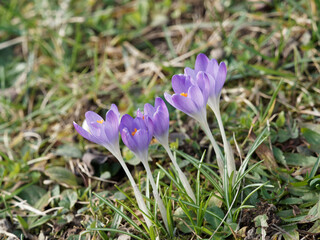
<point x="106" y="133"/>
<point x="193" y="90"/>
<point x="196" y="88"/>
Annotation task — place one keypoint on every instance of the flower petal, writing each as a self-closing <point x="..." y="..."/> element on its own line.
<point x="128" y="140"/>
<point x="93" y="117"/>
<point x="94" y="122"/>
<point x="126" y="122"/>
<point x="190" y="72"/>
<point x="212" y="67"/>
<point x="111" y="127"/>
<point x="180" y="83"/>
<point x="142" y="140"/>
<point x="197" y="97"/>
<point x="203" y="83"/>
<point x="160" y="123"/>
<point x="159" y="103"/>
<point x="149" y="110"/>
<point x="150" y="127"/>
<point x="201" y="63"/>
<point x="168" y="97"/>
<point x="184" y="104"/>
<point x="220" y="78"/>
<point x="139" y="114"/>
<point x="85" y="134"/>
<point x="114" y="108"/>
<point x="212" y="84"/>
<point x="139" y="123"/>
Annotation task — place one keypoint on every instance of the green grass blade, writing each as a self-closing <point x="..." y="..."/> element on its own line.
<point x="260" y="139"/>
<point x="128" y="219"/>
<point x="270" y="106"/>
<point x="315" y="168"/>
<point x="205" y="170"/>
<point x="112" y="230"/>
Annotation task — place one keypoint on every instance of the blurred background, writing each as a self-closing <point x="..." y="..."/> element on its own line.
<point x="61" y="58"/>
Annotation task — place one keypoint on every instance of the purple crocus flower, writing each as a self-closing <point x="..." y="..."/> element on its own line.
<point x="106" y="133"/>
<point x="216" y="72"/>
<point x="136" y="134"/>
<point x="191" y="95"/>
<point x="195" y="89"/>
<point x="159" y="115"/>
<point x="102" y="132"/>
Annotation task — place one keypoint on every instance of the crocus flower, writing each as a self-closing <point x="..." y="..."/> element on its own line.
<point x="136" y="134"/>
<point x="159" y="115"/>
<point x="189" y="96"/>
<point x="216" y="73"/>
<point x="192" y="91"/>
<point x="106" y="133"/>
<point x="102" y="132"/>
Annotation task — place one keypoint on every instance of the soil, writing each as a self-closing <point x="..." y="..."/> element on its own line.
<point x="249" y="214"/>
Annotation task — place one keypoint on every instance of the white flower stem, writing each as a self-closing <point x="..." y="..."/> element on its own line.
<point x="220" y="159"/>
<point x="231" y="166"/>
<point x="181" y="175"/>
<point x="156" y="195"/>
<point x="136" y="190"/>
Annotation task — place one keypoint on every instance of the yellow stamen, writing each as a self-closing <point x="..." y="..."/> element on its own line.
<point x="143" y="117"/>
<point x="134" y="132"/>
<point x="100" y="121"/>
<point x="184" y="94"/>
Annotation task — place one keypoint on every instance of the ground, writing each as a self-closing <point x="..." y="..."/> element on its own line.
<point x="59" y="59"/>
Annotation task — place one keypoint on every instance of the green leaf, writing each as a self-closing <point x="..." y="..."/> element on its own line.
<point x="62" y="176"/>
<point x="76" y="237"/>
<point x="22" y="222"/>
<point x="69" y="199"/>
<point x="291" y="201"/>
<point x="315" y="228"/>
<point x="281" y="119"/>
<point x="129" y="157"/>
<point x="32" y="194"/>
<point x="278" y="154"/>
<point x="40" y="221"/>
<point x="181" y="225"/>
<point x="261" y="221"/>
<point x="105" y="175"/>
<point x="297" y="159"/>
<point x="291" y="235"/>
<point x="314" y="212"/>
<point x="313" y="138"/>
<point x="68" y="150"/>
<point x="119" y="196"/>
<point x="43" y="201"/>
<point x="213" y="221"/>
<point x="283" y="135"/>
<point x="315" y="183"/>
<point x="315" y="168"/>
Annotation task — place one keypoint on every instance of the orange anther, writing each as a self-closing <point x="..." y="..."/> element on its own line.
<point x="184" y="94"/>
<point x="100" y="121"/>
<point x="134" y="132"/>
